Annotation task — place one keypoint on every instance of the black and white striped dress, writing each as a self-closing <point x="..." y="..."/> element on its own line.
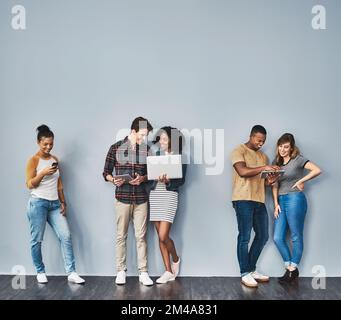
<point x="163" y="203"/>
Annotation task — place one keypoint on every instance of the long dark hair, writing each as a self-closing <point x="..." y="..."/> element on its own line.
<point x="285" y="138"/>
<point x="176" y="139"/>
<point x="44" y="131"/>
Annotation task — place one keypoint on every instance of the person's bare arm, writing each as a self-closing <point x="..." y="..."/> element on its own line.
<point x="271" y="179"/>
<point x="314" y="172"/>
<point x="61" y="197"/>
<point x="246" y="172"/>
<point x="277" y="208"/>
<point x="32" y="178"/>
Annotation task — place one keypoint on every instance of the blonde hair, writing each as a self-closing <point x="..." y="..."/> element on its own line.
<point x="294" y="152"/>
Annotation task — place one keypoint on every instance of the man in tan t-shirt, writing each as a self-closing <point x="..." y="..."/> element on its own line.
<point x="248" y="198"/>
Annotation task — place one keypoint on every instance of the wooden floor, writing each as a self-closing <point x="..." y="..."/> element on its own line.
<point x="186" y="288"/>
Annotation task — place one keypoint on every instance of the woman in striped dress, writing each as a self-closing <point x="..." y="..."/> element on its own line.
<point x="163" y="202"/>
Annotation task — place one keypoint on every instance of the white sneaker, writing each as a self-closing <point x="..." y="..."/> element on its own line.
<point x="41" y="278"/>
<point x="249" y="281"/>
<point x="167" y="276"/>
<point x="75" y="278"/>
<point x="145" y="279"/>
<point x="176" y="268"/>
<point x="121" y="277"/>
<point x="259" y="277"/>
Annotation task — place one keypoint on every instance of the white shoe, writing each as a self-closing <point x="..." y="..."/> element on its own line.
<point x="121" y="277"/>
<point x="75" y="278"/>
<point x="41" y="278"/>
<point x="145" y="279"/>
<point x="167" y="276"/>
<point x="259" y="277"/>
<point x="176" y="268"/>
<point x="249" y="281"/>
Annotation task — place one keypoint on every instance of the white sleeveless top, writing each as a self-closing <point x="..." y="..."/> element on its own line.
<point x="48" y="187"/>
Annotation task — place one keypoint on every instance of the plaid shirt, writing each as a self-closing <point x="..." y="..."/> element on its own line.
<point x="128" y="160"/>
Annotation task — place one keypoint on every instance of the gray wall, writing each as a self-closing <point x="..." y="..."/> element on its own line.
<point x="87" y="68"/>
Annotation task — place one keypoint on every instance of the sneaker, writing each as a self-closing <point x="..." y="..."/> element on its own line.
<point x="121" y="277"/>
<point x="75" y="278"/>
<point x="259" y="277"/>
<point x="167" y="276"/>
<point x="41" y="278"/>
<point x="249" y="281"/>
<point x="145" y="279"/>
<point x="176" y="268"/>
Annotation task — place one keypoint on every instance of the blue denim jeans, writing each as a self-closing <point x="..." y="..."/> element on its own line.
<point x="250" y="214"/>
<point x="293" y="211"/>
<point x="40" y="211"/>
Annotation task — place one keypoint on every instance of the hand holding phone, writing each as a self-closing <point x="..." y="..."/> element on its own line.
<point x="50" y="169"/>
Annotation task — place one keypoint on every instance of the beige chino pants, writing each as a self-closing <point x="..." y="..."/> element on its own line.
<point x="139" y="214"/>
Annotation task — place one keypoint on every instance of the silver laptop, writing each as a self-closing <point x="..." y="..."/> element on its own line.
<point x="171" y="165"/>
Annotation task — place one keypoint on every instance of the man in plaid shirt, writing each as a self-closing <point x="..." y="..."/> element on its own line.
<point x="128" y="156"/>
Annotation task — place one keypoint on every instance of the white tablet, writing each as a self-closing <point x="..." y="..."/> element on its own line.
<point x="265" y="173"/>
<point x="171" y="165"/>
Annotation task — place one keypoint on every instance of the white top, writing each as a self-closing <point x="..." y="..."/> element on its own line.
<point x="48" y="187"/>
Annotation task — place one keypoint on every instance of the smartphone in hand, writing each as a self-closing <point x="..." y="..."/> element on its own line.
<point x="54" y="165"/>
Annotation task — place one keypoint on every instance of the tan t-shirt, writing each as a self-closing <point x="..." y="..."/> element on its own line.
<point x="248" y="188"/>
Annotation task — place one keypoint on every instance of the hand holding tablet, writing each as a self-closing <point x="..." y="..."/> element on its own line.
<point x="266" y="173"/>
<point x="124" y="177"/>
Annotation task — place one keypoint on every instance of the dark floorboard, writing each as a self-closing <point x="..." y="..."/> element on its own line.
<point x="184" y="288"/>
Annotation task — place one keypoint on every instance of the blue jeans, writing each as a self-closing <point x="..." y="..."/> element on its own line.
<point x="40" y="211"/>
<point x="250" y="214"/>
<point x="293" y="211"/>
